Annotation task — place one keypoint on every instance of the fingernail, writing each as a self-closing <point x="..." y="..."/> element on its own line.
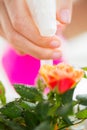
<point x="55" y="44"/>
<point x="56" y="55"/>
<point x="65" y="15"/>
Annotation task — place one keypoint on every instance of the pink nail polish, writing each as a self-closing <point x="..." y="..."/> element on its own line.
<point x="65" y="15"/>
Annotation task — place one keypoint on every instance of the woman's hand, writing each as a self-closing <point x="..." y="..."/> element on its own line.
<point x="17" y="26"/>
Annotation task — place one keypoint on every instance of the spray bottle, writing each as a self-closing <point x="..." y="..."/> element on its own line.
<point x="44" y="15"/>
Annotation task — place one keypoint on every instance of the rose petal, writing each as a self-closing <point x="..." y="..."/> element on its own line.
<point x="65" y="84"/>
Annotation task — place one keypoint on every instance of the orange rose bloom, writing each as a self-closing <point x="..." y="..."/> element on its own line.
<point x="61" y="76"/>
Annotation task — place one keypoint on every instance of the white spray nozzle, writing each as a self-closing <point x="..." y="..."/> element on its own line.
<point x="44" y="15"/>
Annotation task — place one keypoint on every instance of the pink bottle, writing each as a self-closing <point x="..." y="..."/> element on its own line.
<point x="21" y="69"/>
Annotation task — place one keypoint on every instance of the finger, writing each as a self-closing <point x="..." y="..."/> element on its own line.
<point x="64" y="10"/>
<point x="3" y="35"/>
<point x="1" y="32"/>
<point x="18" y="51"/>
<point x="23" y="44"/>
<point x="23" y="23"/>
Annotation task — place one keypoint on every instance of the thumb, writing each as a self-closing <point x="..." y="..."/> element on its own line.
<point x="64" y="10"/>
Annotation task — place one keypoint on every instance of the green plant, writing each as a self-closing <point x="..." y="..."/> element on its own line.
<point x="35" y="110"/>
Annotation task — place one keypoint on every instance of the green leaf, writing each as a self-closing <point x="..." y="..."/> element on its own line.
<point x="52" y="110"/>
<point x="64" y="122"/>
<point x="41" y="85"/>
<point x="13" y="125"/>
<point x="51" y="96"/>
<point x="82" y="98"/>
<point x="28" y="93"/>
<point x="31" y="119"/>
<point x="65" y="110"/>
<point x="2" y="94"/>
<point x="11" y="110"/>
<point x="43" y="126"/>
<point x="68" y="96"/>
<point x="27" y="105"/>
<point x="58" y="99"/>
<point x="2" y="127"/>
<point x="10" y="124"/>
<point x="82" y="114"/>
<point x="3" y="99"/>
<point x="85" y="75"/>
<point x="84" y="68"/>
<point x="42" y="110"/>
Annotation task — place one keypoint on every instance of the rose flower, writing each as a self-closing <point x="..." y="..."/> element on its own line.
<point x="61" y="77"/>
